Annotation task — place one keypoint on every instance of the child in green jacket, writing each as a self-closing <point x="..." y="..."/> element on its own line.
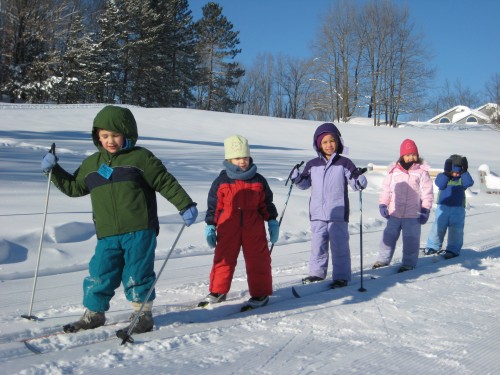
<point x="122" y="180"/>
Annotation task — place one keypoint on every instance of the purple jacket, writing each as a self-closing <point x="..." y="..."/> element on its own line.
<point x="328" y="180"/>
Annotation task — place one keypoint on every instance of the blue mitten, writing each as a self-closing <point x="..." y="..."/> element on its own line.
<point x="211" y="236"/>
<point x="189" y="214"/>
<point x="361" y="182"/>
<point x="274" y="230"/>
<point x="49" y="161"/>
<point x="424" y="215"/>
<point x="384" y="211"/>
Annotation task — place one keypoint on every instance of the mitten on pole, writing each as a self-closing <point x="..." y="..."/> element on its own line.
<point x="361" y="181"/>
<point x="294" y="175"/>
<point x="189" y="214"/>
<point x="50" y="160"/>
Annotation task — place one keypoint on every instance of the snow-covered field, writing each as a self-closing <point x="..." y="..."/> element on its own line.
<point x="441" y="318"/>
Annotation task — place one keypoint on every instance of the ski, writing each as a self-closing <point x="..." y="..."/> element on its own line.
<point x="245" y="308"/>
<point x="30" y="342"/>
<point x="251" y="304"/>
<point x="301" y="290"/>
<point x="33" y="343"/>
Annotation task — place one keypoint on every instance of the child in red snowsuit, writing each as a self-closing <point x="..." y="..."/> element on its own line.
<point x="239" y="202"/>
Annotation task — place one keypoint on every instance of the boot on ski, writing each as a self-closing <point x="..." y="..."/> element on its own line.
<point x="212" y="298"/>
<point x="255" y="302"/>
<point x="144" y="323"/>
<point x="89" y="320"/>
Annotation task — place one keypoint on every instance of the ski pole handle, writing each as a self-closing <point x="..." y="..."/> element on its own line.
<point x="53" y="149"/>
<point x="297" y="166"/>
<point x="358" y="172"/>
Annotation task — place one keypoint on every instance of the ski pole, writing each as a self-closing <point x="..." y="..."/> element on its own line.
<point x="287" y="198"/>
<point x="29" y="316"/>
<point x="358" y="172"/>
<point x="361" y="288"/>
<point x="126" y="336"/>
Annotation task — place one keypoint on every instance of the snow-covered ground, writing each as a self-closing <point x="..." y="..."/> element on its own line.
<point x="441" y="318"/>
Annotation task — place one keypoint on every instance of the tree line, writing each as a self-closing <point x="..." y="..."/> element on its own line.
<point x="365" y="60"/>
<point x="146" y="53"/>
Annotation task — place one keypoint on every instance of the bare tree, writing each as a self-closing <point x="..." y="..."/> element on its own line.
<point x="457" y="94"/>
<point x="493" y="93"/>
<point x="338" y="50"/>
<point x="493" y="89"/>
<point x="293" y="78"/>
<point x="255" y="89"/>
<point x="407" y="75"/>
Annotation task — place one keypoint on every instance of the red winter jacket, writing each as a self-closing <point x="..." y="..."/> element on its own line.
<point x="238" y="208"/>
<point x="236" y="198"/>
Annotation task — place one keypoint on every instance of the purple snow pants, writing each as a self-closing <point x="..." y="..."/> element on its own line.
<point x="335" y="234"/>
<point x="411" y="229"/>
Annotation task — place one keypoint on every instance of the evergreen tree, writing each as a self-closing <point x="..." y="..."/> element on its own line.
<point x="217" y="43"/>
<point x="173" y="58"/>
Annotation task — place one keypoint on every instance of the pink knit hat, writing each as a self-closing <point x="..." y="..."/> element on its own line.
<point x="408" y="147"/>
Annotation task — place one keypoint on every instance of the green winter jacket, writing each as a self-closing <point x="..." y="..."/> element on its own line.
<point x="125" y="201"/>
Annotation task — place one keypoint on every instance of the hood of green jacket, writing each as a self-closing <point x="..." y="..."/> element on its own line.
<point x="116" y="119"/>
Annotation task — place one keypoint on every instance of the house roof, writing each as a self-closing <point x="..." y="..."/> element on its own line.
<point x="461" y="113"/>
<point x="488" y="105"/>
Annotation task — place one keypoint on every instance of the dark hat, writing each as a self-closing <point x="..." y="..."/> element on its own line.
<point x="456" y="159"/>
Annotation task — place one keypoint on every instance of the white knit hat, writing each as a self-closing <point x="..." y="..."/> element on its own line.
<point x="235" y="147"/>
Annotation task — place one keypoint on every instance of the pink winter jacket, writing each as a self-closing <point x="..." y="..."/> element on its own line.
<point x="406" y="192"/>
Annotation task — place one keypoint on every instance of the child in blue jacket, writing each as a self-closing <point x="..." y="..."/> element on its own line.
<point x="450" y="210"/>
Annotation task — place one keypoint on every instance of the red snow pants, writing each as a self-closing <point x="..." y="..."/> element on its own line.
<point x="244" y="229"/>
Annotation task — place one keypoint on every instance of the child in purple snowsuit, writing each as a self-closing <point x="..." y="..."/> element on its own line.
<point x="405" y="201"/>
<point x="328" y="176"/>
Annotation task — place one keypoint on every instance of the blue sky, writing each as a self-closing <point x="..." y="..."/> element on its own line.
<point x="463" y="36"/>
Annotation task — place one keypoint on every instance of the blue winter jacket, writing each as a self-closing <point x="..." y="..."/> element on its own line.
<point x="452" y="190"/>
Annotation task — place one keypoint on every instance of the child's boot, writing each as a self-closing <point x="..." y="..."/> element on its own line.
<point x="89" y="320"/>
<point x="145" y="320"/>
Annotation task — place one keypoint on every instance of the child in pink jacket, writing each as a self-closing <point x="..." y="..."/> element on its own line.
<point x="405" y="201"/>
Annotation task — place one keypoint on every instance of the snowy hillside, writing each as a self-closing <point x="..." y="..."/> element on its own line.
<point x="441" y="318"/>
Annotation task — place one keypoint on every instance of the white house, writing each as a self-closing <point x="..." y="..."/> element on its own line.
<point x="464" y="115"/>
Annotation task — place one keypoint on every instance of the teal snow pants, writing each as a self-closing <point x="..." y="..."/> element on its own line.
<point x="125" y="258"/>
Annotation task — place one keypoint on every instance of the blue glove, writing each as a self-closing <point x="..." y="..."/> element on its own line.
<point x="424" y="215"/>
<point x="361" y="182"/>
<point x="49" y="161"/>
<point x="274" y="230"/>
<point x="211" y="236"/>
<point x="189" y="214"/>
<point x="384" y="211"/>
